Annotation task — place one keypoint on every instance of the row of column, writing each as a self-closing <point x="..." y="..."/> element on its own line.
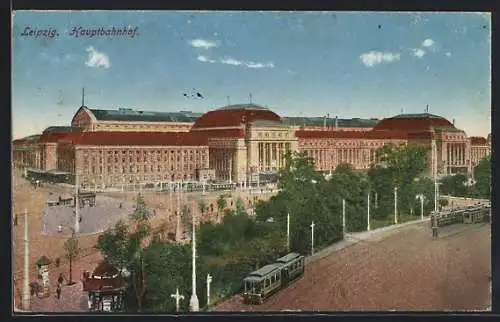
<point x="326" y="159"/>
<point x="271" y="155"/>
<point x="456" y="153"/>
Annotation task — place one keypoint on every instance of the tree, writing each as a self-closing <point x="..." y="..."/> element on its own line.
<point x="454" y="185"/>
<point x="221" y="204"/>
<point x="71" y="248"/>
<point x="139" y="282"/>
<point x="240" y="207"/>
<point x="141" y="212"/>
<point x="202" y="206"/>
<point x="123" y="248"/>
<point x="186" y="217"/>
<point x="482" y="175"/>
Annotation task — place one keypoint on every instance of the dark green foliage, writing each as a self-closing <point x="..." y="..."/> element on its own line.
<point x="482" y="175"/>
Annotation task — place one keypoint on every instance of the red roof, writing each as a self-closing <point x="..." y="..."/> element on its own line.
<point x="422" y="135"/>
<point x="235" y="115"/>
<point x="373" y="135"/>
<point x="478" y="140"/>
<point x="135" y="138"/>
<point x="219" y="133"/>
<point x="52" y="137"/>
<point x="413" y="122"/>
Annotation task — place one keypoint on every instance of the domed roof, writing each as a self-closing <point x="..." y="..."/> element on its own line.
<point x="414" y="123"/>
<point x="235" y="115"/>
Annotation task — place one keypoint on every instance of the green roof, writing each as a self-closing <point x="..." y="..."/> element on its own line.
<point x="127" y="114"/>
<point x="287" y="258"/>
<point x="57" y="129"/>
<point x="265" y="270"/>
<point x="320" y="121"/>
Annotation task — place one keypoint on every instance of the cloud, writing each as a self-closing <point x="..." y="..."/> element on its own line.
<point x="201" y="43"/>
<point x="290" y="72"/>
<point x="231" y="61"/>
<point x="418" y="52"/>
<point x="373" y="58"/>
<point x="205" y="59"/>
<point x="448" y="54"/>
<point x="249" y="64"/>
<point x="428" y="43"/>
<point x="259" y="65"/>
<point x="96" y="58"/>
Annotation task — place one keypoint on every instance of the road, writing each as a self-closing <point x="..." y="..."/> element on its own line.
<point x="401" y="270"/>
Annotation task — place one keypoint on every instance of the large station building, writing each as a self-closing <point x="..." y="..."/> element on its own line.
<point x="234" y="143"/>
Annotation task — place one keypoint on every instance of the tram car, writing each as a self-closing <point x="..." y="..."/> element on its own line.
<point x="269" y="279"/>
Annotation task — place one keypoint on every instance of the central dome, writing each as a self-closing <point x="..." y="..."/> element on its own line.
<point x="413" y="123"/>
<point x="235" y="115"/>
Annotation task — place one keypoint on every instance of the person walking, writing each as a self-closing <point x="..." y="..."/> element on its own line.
<point x="58" y="291"/>
<point x="434" y="226"/>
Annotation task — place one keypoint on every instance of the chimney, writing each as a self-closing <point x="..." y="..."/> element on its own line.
<point x="453" y="122"/>
<point x="336" y="121"/>
<point x="324" y="122"/>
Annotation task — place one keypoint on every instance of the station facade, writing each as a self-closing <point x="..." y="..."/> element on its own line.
<point x="237" y="143"/>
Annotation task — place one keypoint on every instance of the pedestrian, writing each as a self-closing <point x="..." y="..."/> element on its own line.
<point x="434" y="227"/>
<point x="58" y="291"/>
<point x="60" y="279"/>
<point x="59" y="228"/>
<point x="15" y="219"/>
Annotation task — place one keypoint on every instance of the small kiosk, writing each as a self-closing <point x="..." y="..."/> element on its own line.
<point x="105" y="288"/>
<point x="42" y="265"/>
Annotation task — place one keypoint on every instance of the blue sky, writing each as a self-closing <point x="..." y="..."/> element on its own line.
<point x="350" y="64"/>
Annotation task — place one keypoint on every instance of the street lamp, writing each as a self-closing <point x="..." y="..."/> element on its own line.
<point x="343" y="219"/>
<point x="421" y="197"/>
<point x="194" y="304"/>
<point x="209" y="280"/>
<point x="395" y="205"/>
<point x="312" y="237"/>
<point x="178" y="297"/>
<point x="368" y="211"/>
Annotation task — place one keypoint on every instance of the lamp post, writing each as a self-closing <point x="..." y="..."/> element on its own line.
<point x="77" y="204"/>
<point x="194" y="304"/>
<point x="209" y="280"/>
<point x="343" y="219"/>
<point x="368" y="211"/>
<point x="436" y="193"/>
<point x="312" y="237"/>
<point x="26" y="290"/>
<point x="395" y="205"/>
<point x="288" y="231"/>
<point x="178" y="297"/>
<point x="421" y="197"/>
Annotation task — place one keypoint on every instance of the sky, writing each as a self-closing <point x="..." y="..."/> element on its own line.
<point x="349" y="64"/>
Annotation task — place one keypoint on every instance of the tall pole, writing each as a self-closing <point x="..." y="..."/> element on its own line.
<point x="343" y="218"/>
<point x="193" y="302"/>
<point x="178" y="217"/>
<point x="435" y="195"/>
<point x="368" y="212"/>
<point x="230" y="168"/>
<point x="395" y="205"/>
<point x="26" y="293"/>
<point x="422" y="207"/>
<point x="77" y="204"/>
<point x="288" y="231"/>
<point x="312" y="238"/>
<point x="177" y="298"/>
<point x="209" y="280"/>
